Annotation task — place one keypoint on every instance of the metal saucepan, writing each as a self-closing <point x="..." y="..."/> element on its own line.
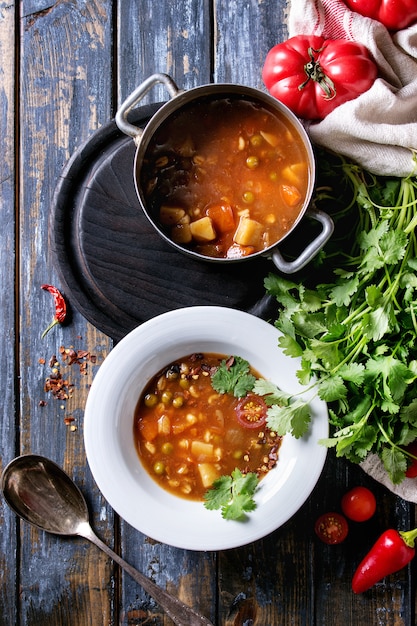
<point x="180" y="98"/>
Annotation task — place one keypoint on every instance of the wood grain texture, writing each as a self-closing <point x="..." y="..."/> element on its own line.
<point x="170" y="37"/>
<point x="65" y="67"/>
<point x="173" y="38"/>
<point x="65" y="93"/>
<point x="8" y="382"/>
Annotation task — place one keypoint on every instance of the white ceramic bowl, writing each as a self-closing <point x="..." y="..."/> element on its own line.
<point x="108" y="429"/>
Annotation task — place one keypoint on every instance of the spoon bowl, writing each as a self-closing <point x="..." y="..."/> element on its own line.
<point x="41" y="493"/>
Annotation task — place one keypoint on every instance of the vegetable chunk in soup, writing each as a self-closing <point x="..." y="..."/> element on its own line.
<point x="225" y="177"/>
<point x="187" y="434"/>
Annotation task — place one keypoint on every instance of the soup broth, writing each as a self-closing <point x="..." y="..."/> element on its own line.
<point x="225" y="177"/>
<point x="187" y="435"/>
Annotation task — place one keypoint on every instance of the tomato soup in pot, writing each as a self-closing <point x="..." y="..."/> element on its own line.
<point x="225" y="177"/>
<point x="224" y="173"/>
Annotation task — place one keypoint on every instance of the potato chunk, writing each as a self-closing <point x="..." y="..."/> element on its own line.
<point x="295" y="173"/>
<point x="181" y="233"/>
<point x="248" y="232"/>
<point x="170" y="215"/>
<point x="203" y="230"/>
<point x="202" y="451"/>
<point x="208" y="474"/>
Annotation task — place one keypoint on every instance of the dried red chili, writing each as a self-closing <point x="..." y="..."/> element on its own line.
<point x="60" y="307"/>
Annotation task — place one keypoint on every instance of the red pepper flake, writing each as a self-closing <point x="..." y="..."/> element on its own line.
<point x="60" y="307"/>
<point x="58" y="386"/>
<point x="80" y="358"/>
<point x="56" y="383"/>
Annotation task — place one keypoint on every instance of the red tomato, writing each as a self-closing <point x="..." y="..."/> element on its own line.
<point x="412" y="468"/>
<point x="359" y="504"/>
<point x="331" y="528"/>
<point x="394" y="14"/>
<point x="312" y="75"/>
<point x="251" y="411"/>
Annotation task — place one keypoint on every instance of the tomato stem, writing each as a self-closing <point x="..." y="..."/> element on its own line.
<point x="314" y="72"/>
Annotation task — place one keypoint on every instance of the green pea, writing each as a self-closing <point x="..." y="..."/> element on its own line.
<point x="159" y="468"/>
<point x="150" y="400"/>
<point x="166" y="397"/>
<point x="248" y="197"/>
<point x="252" y="162"/>
<point x="256" y="141"/>
<point x="177" y="402"/>
<point x="167" y="448"/>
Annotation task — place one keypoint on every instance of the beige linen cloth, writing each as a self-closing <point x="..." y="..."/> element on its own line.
<point x="378" y="129"/>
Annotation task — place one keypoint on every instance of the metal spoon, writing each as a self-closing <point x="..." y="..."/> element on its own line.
<point x="41" y="493"/>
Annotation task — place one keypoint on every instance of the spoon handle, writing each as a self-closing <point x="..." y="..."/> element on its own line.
<point x="180" y="613"/>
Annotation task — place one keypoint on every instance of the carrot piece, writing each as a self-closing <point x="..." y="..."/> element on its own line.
<point x="148" y="429"/>
<point x="222" y="217"/>
<point x="290" y="195"/>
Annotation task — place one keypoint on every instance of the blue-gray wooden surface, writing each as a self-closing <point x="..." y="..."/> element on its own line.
<point x="65" y="67"/>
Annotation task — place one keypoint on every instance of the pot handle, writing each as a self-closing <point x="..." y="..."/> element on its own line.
<point x="136" y="96"/>
<point x="290" y="267"/>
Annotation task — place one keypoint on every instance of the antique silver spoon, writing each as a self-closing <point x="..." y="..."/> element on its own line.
<point x="41" y="493"/>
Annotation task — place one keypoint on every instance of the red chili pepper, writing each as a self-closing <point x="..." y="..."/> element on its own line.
<point x="60" y="307"/>
<point x="391" y="552"/>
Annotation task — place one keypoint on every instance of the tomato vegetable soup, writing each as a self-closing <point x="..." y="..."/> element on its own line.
<point x="225" y="177"/>
<point x="187" y="434"/>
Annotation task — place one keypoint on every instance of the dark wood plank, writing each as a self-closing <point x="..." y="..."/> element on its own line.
<point x="169" y="37"/>
<point x="243" y="34"/>
<point x="173" y="38"/>
<point x="66" y="91"/>
<point x="8" y="382"/>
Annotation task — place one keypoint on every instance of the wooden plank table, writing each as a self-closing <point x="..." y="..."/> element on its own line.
<point x="65" y="68"/>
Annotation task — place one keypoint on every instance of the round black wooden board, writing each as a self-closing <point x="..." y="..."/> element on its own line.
<point x="115" y="269"/>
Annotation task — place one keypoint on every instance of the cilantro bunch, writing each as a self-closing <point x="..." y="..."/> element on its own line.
<point x="356" y="333"/>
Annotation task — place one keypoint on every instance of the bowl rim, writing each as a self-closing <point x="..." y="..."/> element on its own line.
<point x="113" y="459"/>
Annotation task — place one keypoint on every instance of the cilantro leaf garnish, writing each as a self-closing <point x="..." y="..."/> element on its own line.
<point x="233" y="495"/>
<point x="285" y="414"/>
<point x="233" y="376"/>
<point x="293" y="418"/>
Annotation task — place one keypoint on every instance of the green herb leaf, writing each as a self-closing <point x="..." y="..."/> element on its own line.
<point x="395" y="463"/>
<point x="271" y="393"/>
<point x="293" y="418"/>
<point x="233" y="376"/>
<point x="233" y="495"/>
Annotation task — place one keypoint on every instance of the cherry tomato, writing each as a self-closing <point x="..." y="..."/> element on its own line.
<point x="251" y="411"/>
<point x="394" y="14"/>
<point x="412" y="468"/>
<point x="331" y="528"/>
<point x="359" y="504"/>
<point x="312" y="75"/>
